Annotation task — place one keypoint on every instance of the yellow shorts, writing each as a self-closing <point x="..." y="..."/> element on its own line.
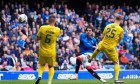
<point x="110" y="53"/>
<point x="50" y="60"/>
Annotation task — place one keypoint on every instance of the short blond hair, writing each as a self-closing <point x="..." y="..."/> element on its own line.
<point x="52" y="18"/>
<point x="118" y="17"/>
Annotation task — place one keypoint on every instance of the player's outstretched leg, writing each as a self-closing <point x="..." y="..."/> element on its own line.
<point x="50" y="74"/>
<point x="116" y="71"/>
<point x="78" y="63"/>
<point x="40" y="71"/>
<point x="93" y="73"/>
<point x="95" y="53"/>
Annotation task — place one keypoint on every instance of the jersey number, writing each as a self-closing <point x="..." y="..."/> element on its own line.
<point x="47" y="39"/>
<point x="112" y="32"/>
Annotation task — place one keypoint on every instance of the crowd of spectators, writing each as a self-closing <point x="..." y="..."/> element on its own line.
<point x="19" y="48"/>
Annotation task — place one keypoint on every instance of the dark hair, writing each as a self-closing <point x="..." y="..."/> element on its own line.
<point x="89" y="27"/>
<point x="52" y="18"/>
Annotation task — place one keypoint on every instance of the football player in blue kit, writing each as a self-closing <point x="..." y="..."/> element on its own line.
<point x="87" y="46"/>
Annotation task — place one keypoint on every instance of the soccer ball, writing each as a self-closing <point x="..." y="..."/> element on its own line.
<point x="22" y="18"/>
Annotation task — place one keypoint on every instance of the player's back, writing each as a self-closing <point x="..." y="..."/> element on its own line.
<point x="112" y="33"/>
<point x="48" y="37"/>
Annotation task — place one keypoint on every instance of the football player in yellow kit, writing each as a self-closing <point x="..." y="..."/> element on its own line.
<point x="111" y="35"/>
<point x="47" y="35"/>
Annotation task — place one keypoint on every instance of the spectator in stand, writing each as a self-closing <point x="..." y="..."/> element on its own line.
<point x="65" y="65"/>
<point x="129" y="66"/>
<point x="127" y="41"/>
<point x="136" y="47"/>
<point x="101" y="64"/>
<point x="107" y="60"/>
<point x="21" y="59"/>
<point x="73" y="60"/>
<point x="3" y="68"/>
<point x="121" y="50"/>
<point x="31" y="56"/>
<point x="12" y="50"/>
<point x="68" y="52"/>
<point x="13" y="60"/>
<point x="137" y="28"/>
<point x="127" y="54"/>
<point x="22" y="35"/>
<point x="31" y="65"/>
<point x="135" y="62"/>
<point x="108" y="22"/>
<point x="35" y="59"/>
<point x="5" y="36"/>
<point x="59" y="59"/>
<point x="99" y="19"/>
<point x="13" y="33"/>
<point x="138" y="65"/>
<point x="123" y="59"/>
<point x="27" y="51"/>
<point x="17" y="67"/>
<point x="5" y="59"/>
<point x="9" y="55"/>
<point x="132" y="58"/>
<point x="20" y="42"/>
<point x="27" y="42"/>
<point x="56" y="67"/>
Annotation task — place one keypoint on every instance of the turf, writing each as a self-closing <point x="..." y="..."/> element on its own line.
<point x="88" y="81"/>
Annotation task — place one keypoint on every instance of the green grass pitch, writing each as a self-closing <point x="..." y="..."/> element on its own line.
<point x="85" y="81"/>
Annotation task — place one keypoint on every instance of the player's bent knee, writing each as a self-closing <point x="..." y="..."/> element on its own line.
<point x="88" y="67"/>
<point x="117" y="62"/>
<point x="42" y="64"/>
<point x="51" y="66"/>
<point x="79" y="58"/>
<point x="97" y="50"/>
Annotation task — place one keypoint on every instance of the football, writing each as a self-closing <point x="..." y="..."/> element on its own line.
<point x="22" y="18"/>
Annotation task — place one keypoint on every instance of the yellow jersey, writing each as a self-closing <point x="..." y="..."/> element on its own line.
<point x="48" y="36"/>
<point x="112" y="33"/>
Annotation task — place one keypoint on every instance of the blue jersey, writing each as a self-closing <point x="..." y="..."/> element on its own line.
<point x="86" y="44"/>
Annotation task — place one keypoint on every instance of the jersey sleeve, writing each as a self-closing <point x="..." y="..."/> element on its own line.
<point x="95" y="42"/>
<point x="85" y="42"/>
<point x="39" y="32"/>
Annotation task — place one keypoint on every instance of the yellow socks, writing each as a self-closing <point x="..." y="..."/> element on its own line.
<point x="40" y="70"/>
<point x="50" y="74"/>
<point x="95" y="53"/>
<point x="116" y="71"/>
